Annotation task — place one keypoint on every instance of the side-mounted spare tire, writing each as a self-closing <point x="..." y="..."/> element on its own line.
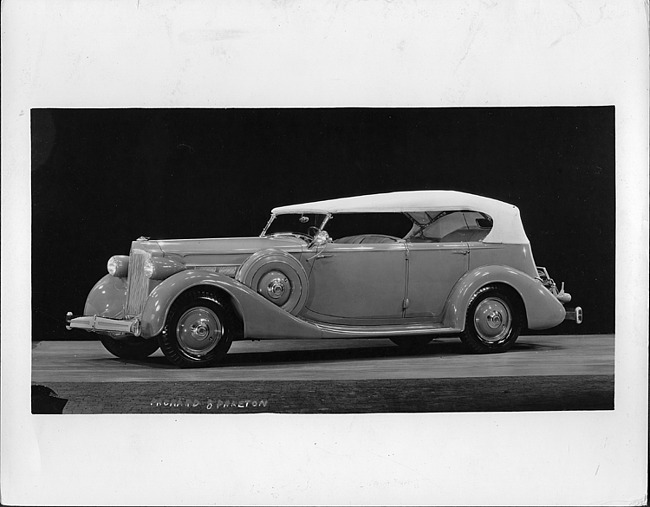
<point x="277" y="276"/>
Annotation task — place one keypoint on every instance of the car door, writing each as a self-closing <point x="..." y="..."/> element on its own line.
<point x="433" y="270"/>
<point x="357" y="283"/>
<point x="437" y="256"/>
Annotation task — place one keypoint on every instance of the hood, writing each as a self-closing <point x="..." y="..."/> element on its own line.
<point x="211" y="251"/>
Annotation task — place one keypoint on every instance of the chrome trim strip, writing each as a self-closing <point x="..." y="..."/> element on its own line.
<point x="268" y="224"/>
<point x="211" y="265"/>
<point x="327" y="218"/>
<point x="221" y="269"/>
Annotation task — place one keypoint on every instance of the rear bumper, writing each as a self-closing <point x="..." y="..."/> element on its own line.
<point x="99" y="324"/>
<point x="574" y="314"/>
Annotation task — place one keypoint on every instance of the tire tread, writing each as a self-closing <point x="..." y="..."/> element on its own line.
<point x="230" y="322"/>
<point x="130" y="348"/>
<point x="469" y="336"/>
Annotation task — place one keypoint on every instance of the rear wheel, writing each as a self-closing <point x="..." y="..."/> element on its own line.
<point x="412" y="343"/>
<point x="493" y="321"/>
<point x="199" y="329"/>
<point x="130" y="348"/>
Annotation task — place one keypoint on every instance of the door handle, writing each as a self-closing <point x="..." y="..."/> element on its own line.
<point x="461" y="252"/>
<point x="324" y="256"/>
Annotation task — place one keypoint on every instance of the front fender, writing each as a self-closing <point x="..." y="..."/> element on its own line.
<point x="107" y="297"/>
<point x="260" y="317"/>
<point x="165" y="293"/>
<point x="543" y="310"/>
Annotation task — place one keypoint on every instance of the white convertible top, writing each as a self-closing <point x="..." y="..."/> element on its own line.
<point x="507" y="226"/>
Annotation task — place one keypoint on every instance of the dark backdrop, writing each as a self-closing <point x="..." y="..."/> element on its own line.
<point x="102" y="178"/>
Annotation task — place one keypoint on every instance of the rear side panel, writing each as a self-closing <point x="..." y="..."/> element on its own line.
<point x="518" y="256"/>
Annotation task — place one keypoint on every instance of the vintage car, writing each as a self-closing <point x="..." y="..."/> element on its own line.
<point x="408" y="266"/>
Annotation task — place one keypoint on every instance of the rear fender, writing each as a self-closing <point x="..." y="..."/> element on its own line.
<point x="543" y="310"/>
<point x="260" y="317"/>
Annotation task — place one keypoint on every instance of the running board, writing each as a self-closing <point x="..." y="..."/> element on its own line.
<point x="342" y="331"/>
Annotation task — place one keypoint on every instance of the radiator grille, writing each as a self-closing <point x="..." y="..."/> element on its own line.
<point x="138" y="284"/>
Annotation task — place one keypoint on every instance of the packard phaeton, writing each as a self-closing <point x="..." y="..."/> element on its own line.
<point x="407" y="266"/>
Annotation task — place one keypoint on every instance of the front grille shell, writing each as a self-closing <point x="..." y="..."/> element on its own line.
<point x="137" y="283"/>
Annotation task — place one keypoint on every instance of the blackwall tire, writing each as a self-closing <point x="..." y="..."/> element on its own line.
<point x="130" y="348"/>
<point x="199" y="329"/>
<point x="412" y="343"/>
<point x="277" y="276"/>
<point x="493" y="321"/>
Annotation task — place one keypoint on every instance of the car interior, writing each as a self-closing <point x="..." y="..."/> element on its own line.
<point x="429" y="227"/>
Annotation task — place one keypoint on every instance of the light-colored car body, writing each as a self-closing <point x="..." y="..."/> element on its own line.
<point x="310" y="284"/>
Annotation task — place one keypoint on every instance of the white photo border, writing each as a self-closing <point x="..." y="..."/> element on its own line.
<point x="447" y="53"/>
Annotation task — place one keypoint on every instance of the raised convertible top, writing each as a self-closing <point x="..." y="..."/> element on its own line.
<point x="507" y="226"/>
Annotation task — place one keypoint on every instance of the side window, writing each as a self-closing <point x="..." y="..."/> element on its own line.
<point x="442" y="229"/>
<point x="368" y="228"/>
<point x="452" y="227"/>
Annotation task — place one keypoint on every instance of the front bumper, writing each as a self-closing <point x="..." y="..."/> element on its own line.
<point x="102" y="324"/>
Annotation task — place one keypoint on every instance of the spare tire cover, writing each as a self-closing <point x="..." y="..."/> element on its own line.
<point x="277" y="276"/>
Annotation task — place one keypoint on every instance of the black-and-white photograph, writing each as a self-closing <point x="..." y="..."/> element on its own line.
<point x="410" y="262"/>
<point x="324" y="253"/>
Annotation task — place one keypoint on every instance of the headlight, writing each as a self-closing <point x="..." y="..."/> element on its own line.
<point x="118" y="265"/>
<point x="149" y="268"/>
<point x="159" y="268"/>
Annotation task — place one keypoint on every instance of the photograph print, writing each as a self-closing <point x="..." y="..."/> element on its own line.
<point x="322" y="260"/>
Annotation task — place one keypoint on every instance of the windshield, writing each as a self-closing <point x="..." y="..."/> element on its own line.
<point x="301" y="224"/>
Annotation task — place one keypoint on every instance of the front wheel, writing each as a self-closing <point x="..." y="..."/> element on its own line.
<point x="199" y="330"/>
<point x="493" y="321"/>
<point x="130" y="348"/>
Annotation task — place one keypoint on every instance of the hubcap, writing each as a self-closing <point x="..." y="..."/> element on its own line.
<point x="275" y="286"/>
<point x="198" y="331"/>
<point x="492" y="320"/>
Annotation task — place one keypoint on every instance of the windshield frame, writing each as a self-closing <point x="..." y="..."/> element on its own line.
<point x="320" y="227"/>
